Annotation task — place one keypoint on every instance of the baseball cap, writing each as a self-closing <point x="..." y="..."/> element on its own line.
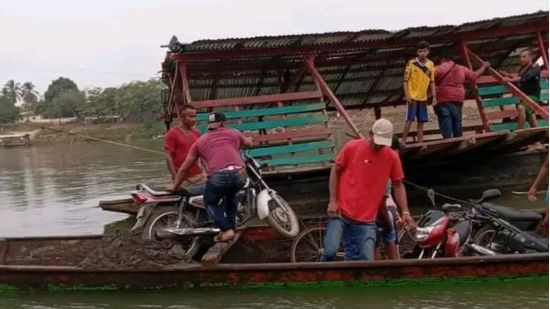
<point x="215" y="120"/>
<point x="382" y="131"/>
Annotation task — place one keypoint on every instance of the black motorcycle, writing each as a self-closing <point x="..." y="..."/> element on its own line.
<point x="505" y="230"/>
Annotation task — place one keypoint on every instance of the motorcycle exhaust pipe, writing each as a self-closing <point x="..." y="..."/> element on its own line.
<point x="481" y="250"/>
<point x="172" y="232"/>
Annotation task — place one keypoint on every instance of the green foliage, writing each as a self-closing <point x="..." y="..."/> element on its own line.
<point x="137" y="101"/>
<point x="8" y="111"/>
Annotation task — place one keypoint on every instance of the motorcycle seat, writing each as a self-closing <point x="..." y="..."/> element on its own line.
<point x="512" y="214"/>
<point x="159" y="190"/>
<point x="193" y="190"/>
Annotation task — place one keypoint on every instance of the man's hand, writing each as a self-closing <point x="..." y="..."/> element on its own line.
<point x="332" y="209"/>
<point x="171" y="188"/>
<point x="408" y="220"/>
<point x="486" y="64"/>
<point x="532" y="194"/>
<point x="434" y="100"/>
<point x="408" y="100"/>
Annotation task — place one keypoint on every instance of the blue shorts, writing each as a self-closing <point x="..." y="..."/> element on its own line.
<point x="417" y="110"/>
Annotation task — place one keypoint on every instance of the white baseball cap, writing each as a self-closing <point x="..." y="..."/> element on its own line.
<point x="382" y="131"/>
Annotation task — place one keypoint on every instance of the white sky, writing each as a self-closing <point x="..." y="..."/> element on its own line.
<point x="107" y="43"/>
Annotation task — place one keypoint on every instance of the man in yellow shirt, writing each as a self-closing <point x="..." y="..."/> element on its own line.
<point x="418" y="80"/>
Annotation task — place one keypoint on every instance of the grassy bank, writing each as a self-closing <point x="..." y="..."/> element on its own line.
<point x="120" y="132"/>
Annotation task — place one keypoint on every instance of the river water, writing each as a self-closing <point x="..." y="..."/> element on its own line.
<point x="54" y="190"/>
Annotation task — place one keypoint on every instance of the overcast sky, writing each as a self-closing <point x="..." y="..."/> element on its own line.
<point x="108" y="43"/>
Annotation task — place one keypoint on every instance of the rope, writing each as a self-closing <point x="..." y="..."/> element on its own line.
<point x="431" y="193"/>
<point x="97" y="139"/>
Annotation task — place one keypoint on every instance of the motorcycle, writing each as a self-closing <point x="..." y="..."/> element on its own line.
<point x="167" y="215"/>
<point x="505" y="230"/>
<point x="441" y="233"/>
<point x="448" y="232"/>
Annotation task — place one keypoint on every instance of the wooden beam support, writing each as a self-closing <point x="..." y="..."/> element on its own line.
<point x="184" y="82"/>
<point x="543" y="50"/>
<point x="466" y="57"/>
<point x="330" y="95"/>
<point x="515" y="90"/>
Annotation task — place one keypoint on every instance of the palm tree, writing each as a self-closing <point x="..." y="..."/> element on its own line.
<point x="12" y="90"/>
<point x="29" y="96"/>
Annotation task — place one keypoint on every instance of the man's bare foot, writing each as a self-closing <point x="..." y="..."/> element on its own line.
<point x="225" y="236"/>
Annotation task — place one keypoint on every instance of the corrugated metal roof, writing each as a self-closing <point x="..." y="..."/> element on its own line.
<point x="363" y="67"/>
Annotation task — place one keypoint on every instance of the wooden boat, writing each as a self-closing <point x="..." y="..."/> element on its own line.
<point x="15" y="140"/>
<point x="257" y="260"/>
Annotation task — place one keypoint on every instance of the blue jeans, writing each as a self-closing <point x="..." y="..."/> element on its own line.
<point x="359" y="240"/>
<point x="219" y="197"/>
<point x="449" y="116"/>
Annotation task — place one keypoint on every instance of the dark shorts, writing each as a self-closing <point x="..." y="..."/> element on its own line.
<point x="417" y="110"/>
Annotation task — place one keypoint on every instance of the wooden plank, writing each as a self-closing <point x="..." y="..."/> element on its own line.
<point x="3" y="251"/>
<point x="275" y="150"/>
<point x="488" y="90"/>
<point x="500" y="102"/>
<point x="303" y="108"/>
<point x="486" y="79"/>
<point x="511" y="126"/>
<point x="544" y="84"/>
<point x="272" y="124"/>
<point x="295" y="135"/>
<point x="312" y="159"/>
<point x="508" y="113"/>
<point x="544" y="97"/>
<point x="215" y="254"/>
<point x="263" y="99"/>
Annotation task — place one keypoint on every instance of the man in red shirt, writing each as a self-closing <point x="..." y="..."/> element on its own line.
<point x="178" y="142"/>
<point x="449" y="80"/>
<point x="357" y="183"/>
<point x="219" y="150"/>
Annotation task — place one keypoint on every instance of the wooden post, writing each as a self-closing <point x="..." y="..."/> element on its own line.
<point x="468" y="62"/>
<point x="184" y="82"/>
<point x="543" y="50"/>
<point x="171" y="102"/>
<point x="515" y="90"/>
<point x="325" y="89"/>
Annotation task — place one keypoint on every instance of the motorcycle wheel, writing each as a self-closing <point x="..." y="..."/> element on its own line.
<point x="167" y="217"/>
<point x="282" y="218"/>
<point x="308" y="246"/>
<point x="486" y="237"/>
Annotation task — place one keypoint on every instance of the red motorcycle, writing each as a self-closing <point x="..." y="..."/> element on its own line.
<point x="443" y="233"/>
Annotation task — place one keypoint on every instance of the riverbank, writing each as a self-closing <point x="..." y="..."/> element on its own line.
<point x="120" y="132"/>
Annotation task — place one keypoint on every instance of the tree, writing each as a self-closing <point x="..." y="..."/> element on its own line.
<point x="139" y="101"/>
<point x="8" y="111"/>
<point x="12" y="91"/>
<point x="29" y="97"/>
<point x="67" y="104"/>
<point x="53" y="107"/>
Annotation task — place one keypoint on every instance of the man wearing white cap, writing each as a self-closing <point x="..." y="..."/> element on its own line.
<point x="357" y="184"/>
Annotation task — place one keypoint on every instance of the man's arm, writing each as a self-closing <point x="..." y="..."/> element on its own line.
<point x="432" y="89"/>
<point x="480" y="71"/>
<point x="335" y="172"/>
<point x="541" y="177"/>
<point x="248" y="142"/>
<point x="182" y="172"/>
<point x="400" y="194"/>
<point x="170" y="165"/>
<point x="406" y="83"/>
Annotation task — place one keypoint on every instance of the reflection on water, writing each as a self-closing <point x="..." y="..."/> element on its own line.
<point x="55" y="189"/>
<point x="518" y="294"/>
